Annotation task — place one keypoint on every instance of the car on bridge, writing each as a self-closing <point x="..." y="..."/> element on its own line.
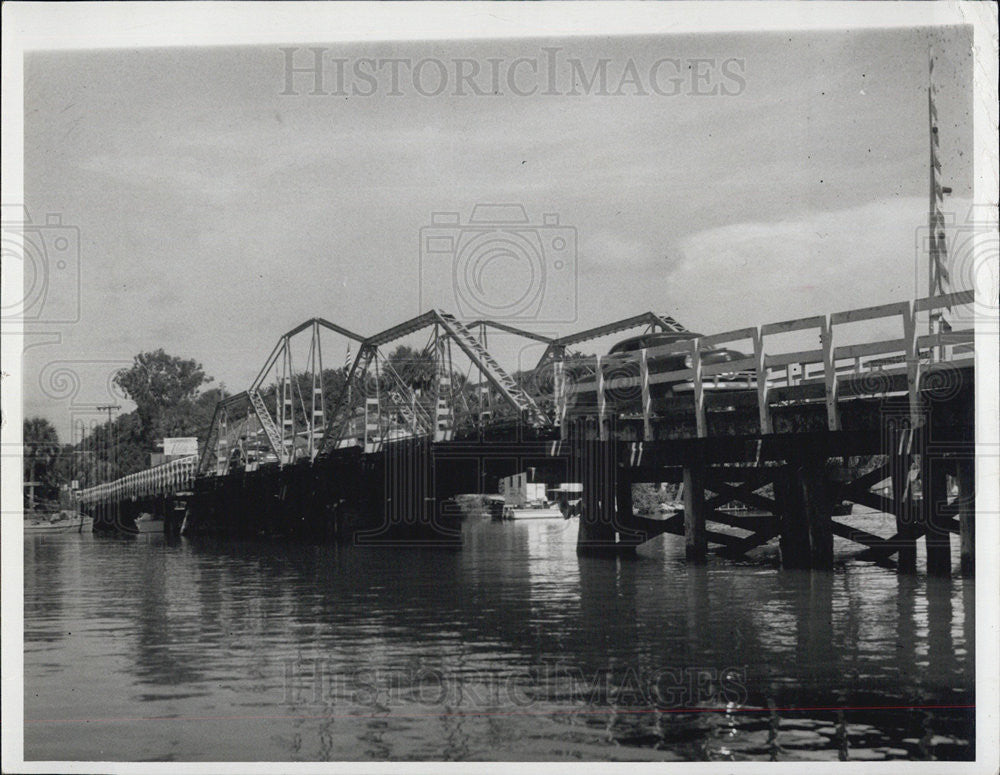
<point x="622" y="363"/>
<point x="738" y="380"/>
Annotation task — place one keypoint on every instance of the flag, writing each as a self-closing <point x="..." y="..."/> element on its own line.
<point x="347" y="371"/>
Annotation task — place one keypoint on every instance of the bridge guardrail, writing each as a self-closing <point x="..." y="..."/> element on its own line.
<point x="777" y="373"/>
<point x="163" y="479"/>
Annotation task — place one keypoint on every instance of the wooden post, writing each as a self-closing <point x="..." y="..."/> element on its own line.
<point x="762" y="407"/>
<point x="559" y="388"/>
<point x="936" y="535"/>
<point x="699" y="389"/>
<point x="602" y="406"/>
<point x="593" y="460"/>
<point x="967" y="514"/>
<point x="805" y="515"/>
<point x="793" y="541"/>
<point x="222" y="445"/>
<point x="903" y="509"/>
<point x="695" y="537"/>
<point x="912" y="368"/>
<point x="818" y="504"/>
<point x="647" y="404"/>
<point x="830" y="377"/>
<point x="625" y="517"/>
<point x="371" y="423"/>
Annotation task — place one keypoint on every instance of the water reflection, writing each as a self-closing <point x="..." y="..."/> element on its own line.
<point x="513" y="648"/>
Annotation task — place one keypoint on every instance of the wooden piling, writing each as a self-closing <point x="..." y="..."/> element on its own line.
<point x="596" y="468"/>
<point x="967" y="514"/>
<point x="793" y="539"/>
<point x="818" y="506"/>
<point x="805" y="516"/>
<point x="623" y="499"/>
<point x="628" y="535"/>
<point x="902" y="508"/>
<point x="934" y="518"/>
<point x="695" y="537"/>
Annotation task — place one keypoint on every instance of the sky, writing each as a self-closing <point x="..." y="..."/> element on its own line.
<point x="215" y="212"/>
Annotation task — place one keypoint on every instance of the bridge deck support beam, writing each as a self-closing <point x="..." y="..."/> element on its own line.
<point x="967" y="514"/>
<point x="695" y="537"/>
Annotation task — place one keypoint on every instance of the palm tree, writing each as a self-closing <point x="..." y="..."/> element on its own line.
<point x="41" y="449"/>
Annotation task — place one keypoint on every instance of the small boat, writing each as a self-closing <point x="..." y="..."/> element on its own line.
<point x="495" y="507"/>
<point x="149" y="523"/>
<point x="544" y="512"/>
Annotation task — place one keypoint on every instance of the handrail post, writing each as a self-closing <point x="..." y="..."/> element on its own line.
<point x="762" y="407"/>
<point x="601" y="402"/>
<point x="371" y="423"/>
<point x="222" y="443"/>
<point x="912" y="366"/>
<point x="647" y="403"/>
<point x="559" y="388"/>
<point x="830" y="377"/>
<point x="699" y="389"/>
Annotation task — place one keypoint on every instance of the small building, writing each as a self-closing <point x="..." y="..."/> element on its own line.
<point x="522" y="491"/>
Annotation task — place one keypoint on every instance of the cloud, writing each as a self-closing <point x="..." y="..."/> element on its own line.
<point x="605" y="248"/>
<point x="820" y="262"/>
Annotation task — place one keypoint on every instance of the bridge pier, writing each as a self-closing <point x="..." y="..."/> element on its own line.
<point x="594" y="463"/>
<point x="597" y="532"/>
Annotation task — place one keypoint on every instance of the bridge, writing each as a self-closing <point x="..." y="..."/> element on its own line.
<point x="771" y="429"/>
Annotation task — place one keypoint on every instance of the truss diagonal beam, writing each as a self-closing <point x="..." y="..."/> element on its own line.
<point x="266" y="422"/>
<point x="340" y="413"/>
<point x="510" y="330"/>
<point x="502" y="381"/>
<point x="558" y="346"/>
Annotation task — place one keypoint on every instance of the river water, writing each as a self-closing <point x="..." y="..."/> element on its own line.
<point x="509" y="648"/>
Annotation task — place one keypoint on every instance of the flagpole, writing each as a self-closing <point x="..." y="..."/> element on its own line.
<point x="937" y="273"/>
<point x="932" y="205"/>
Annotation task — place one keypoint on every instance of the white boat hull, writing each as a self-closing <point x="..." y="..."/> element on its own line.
<point x="533" y="513"/>
<point x="64" y="526"/>
<point x="146" y="524"/>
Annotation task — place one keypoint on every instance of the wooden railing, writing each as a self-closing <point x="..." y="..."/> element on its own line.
<point x="164" y="479"/>
<point x="778" y="376"/>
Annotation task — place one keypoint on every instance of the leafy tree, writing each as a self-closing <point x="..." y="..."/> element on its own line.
<point x="416" y="368"/>
<point x="41" y="454"/>
<point x="164" y="388"/>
